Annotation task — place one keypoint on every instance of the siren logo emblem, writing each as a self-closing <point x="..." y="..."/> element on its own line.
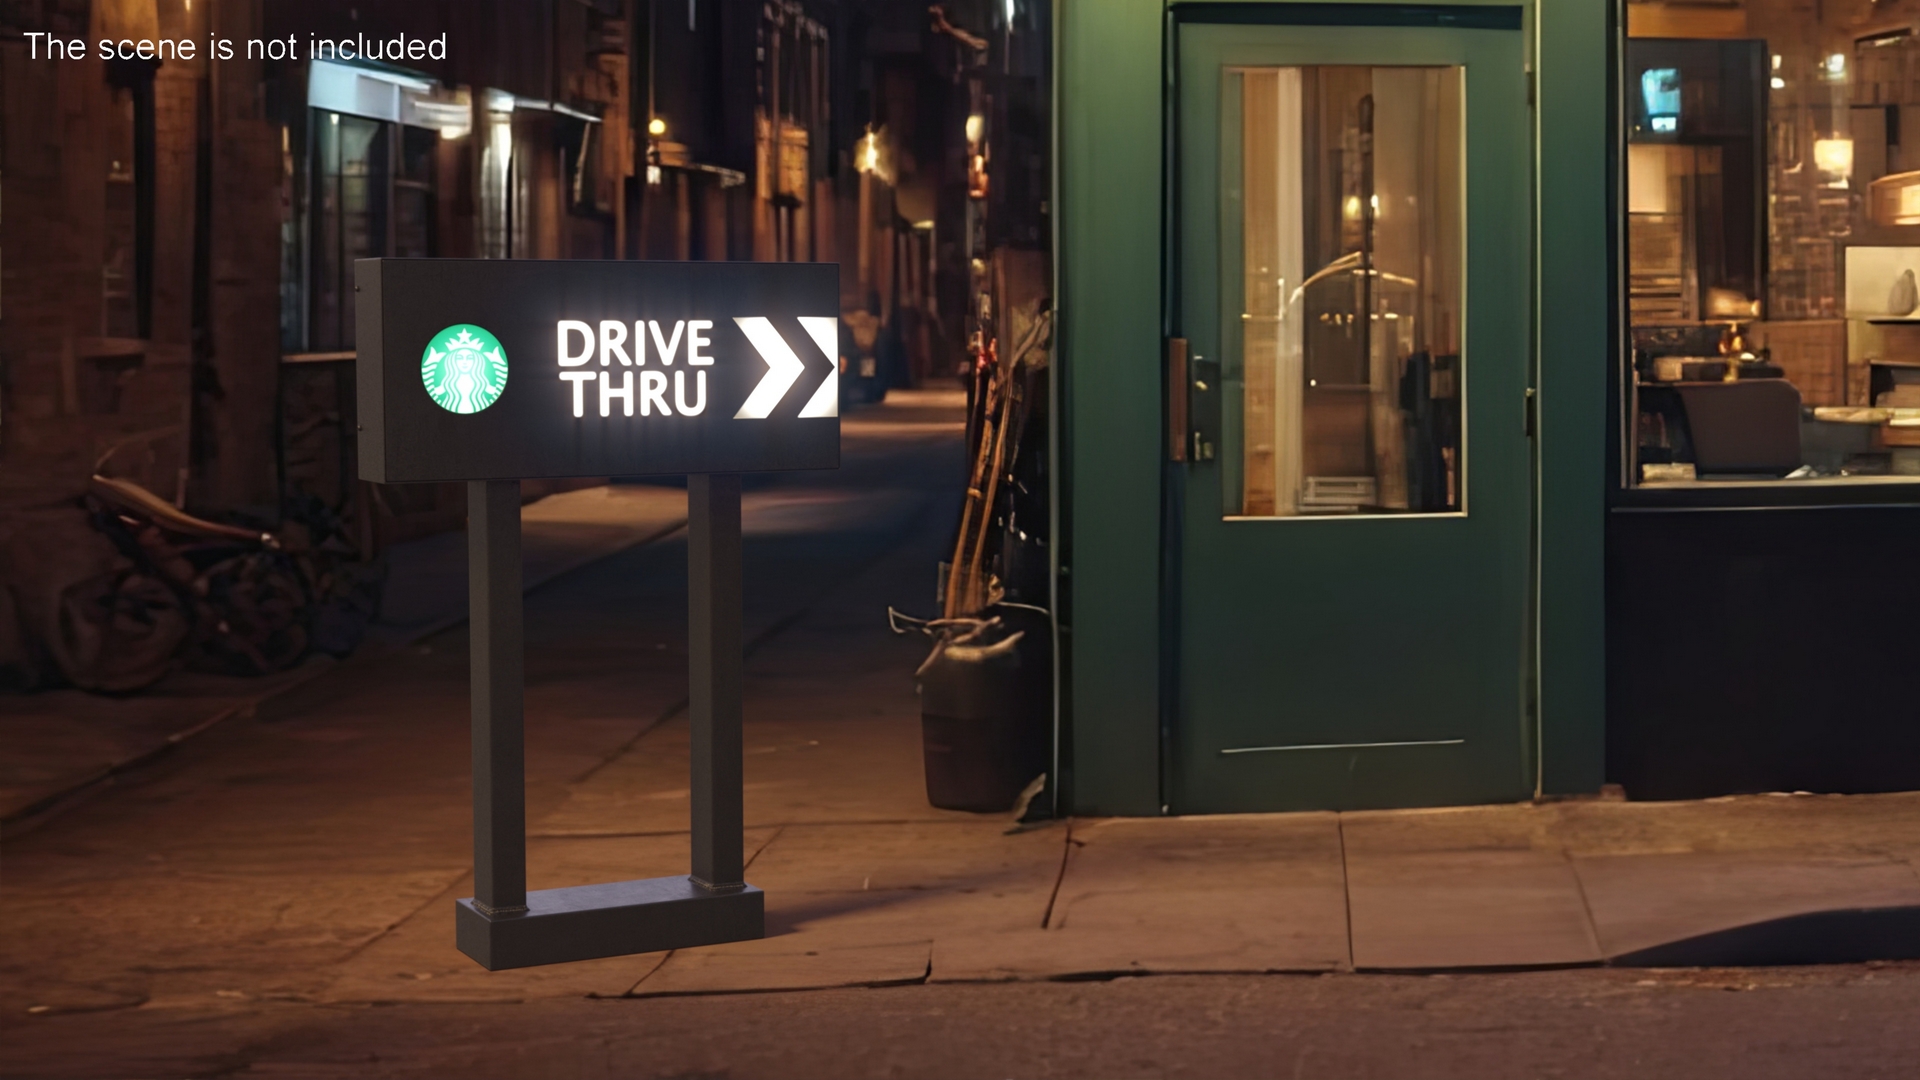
<point x="464" y="368"/>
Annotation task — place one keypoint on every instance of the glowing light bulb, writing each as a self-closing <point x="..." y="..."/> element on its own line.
<point x="1835" y="158"/>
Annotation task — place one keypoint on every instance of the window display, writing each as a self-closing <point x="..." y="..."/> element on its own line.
<point x="1771" y="196"/>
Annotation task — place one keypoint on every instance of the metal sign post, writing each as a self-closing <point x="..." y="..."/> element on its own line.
<point x="503" y="925"/>
<point x="715" y="659"/>
<point x="481" y="404"/>
<point x="496" y="672"/>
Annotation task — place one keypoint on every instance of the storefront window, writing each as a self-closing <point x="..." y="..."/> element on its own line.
<point x="360" y="179"/>
<point x="373" y="186"/>
<point x="352" y="163"/>
<point x="413" y="193"/>
<point x="1772" y="203"/>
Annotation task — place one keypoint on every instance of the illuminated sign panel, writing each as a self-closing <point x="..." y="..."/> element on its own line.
<point x="499" y="369"/>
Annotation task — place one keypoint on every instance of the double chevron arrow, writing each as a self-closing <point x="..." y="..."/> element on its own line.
<point x="784" y="368"/>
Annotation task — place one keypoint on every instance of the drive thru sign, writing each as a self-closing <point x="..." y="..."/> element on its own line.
<point x="493" y="371"/>
<point x="605" y="369"/>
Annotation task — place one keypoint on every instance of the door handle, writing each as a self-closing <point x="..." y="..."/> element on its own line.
<point x="1203" y="407"/>
<point x="1192" y="410"/>
<point x="1177" y="422"/>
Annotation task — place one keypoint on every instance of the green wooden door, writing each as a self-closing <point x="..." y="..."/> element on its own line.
<point x="1349" y="584"/>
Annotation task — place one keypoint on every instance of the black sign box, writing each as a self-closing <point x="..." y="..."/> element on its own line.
<point x="501" y="369"/>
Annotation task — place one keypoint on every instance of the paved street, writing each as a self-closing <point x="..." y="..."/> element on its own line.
<point x="275" y="898"/>
<point x="1605" y="1024"/>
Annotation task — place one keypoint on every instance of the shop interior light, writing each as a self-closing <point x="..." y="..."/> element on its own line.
<point x="976" y="127"/>
<point x="1779" y="83"/>
<point x="656" y="127"/>
<point x="1837" y="65"/>
<point x="1834" y="157"/>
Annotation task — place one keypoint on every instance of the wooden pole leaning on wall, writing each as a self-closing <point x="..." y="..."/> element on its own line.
<point x="505" y="926"/>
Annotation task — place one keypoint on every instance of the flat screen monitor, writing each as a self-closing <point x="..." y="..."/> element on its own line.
<point x="1660" y="95"/>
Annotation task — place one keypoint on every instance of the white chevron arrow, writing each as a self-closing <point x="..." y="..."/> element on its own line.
<point x="825" y="333"/>
<point x="784" y="368"/>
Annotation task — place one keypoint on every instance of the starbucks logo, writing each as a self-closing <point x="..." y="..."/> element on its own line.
<point x="464" y="368"/>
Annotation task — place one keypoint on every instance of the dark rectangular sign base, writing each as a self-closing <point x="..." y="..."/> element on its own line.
<point x="619" y="918"/>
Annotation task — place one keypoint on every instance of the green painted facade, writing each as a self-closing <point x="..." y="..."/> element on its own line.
<point x="1113" y="100"/>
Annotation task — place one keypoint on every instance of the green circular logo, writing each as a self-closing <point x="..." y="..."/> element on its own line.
<point x="464" y="368"/>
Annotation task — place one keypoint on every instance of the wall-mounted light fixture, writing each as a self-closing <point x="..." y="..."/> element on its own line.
<point x="870" y="155"/>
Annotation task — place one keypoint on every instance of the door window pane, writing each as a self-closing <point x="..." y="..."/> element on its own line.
<point x="1344" y="393"/>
